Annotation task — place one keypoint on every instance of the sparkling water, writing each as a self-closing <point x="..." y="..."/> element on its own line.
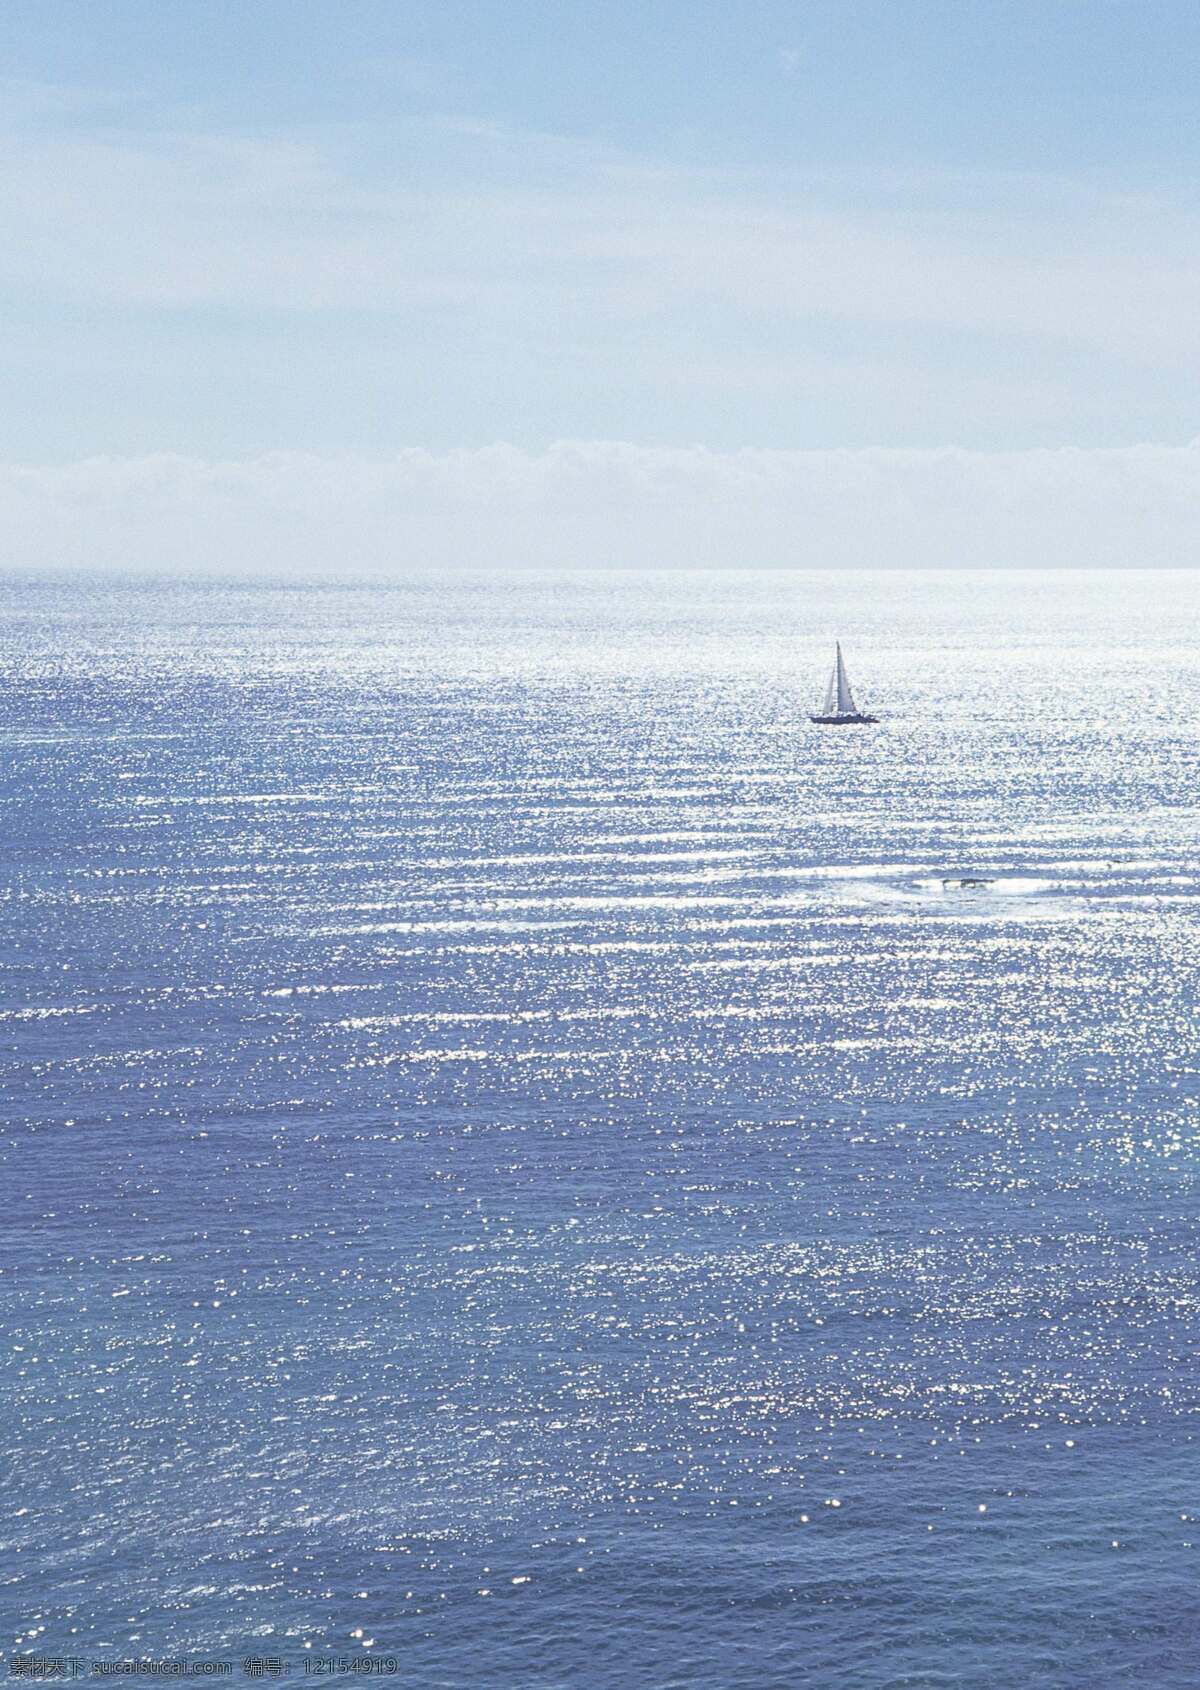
<point x="528" y="1163"/>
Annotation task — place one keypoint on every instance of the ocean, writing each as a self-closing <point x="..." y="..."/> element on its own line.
<point x="526" y="1164"/>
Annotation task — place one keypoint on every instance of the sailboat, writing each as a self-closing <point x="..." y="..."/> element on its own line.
<point x="839" y="708"/>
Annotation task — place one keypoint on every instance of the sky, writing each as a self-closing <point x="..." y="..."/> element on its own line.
<point x="586" y="281"/>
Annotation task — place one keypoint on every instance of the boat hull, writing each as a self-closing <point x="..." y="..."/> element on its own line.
<point x="856" y="721"/>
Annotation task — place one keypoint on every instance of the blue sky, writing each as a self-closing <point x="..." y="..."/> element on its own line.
<point x="1011" y="84"/>
<point x="738" y="224"/>
<point x="245" y="227"/>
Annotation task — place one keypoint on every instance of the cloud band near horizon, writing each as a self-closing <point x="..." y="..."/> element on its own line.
<point x="607" y="504"/>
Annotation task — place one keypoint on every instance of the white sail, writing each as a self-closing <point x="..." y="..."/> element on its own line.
<point x="830" y="702"/>
<point x="838" y="704"/>
<point x="845" y="698"/>
<point x="838" y="700"/>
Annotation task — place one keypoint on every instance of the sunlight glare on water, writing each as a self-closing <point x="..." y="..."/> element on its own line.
<point x="522" y="1153"/>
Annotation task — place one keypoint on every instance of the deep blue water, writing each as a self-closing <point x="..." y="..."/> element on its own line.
<point x="519" y="1156"/>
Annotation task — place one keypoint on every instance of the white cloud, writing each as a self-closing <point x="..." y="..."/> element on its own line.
<point x="607" y="504"/>
<point x="448" y="279"/>
<point x="446" y="227"/>
<point x="490" y="221"/>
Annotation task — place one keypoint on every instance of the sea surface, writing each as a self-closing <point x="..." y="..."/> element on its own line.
<point x="525" y="1164"/>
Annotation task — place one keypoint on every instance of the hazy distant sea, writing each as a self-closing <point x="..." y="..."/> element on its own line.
<point x="518" y="1156"/>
